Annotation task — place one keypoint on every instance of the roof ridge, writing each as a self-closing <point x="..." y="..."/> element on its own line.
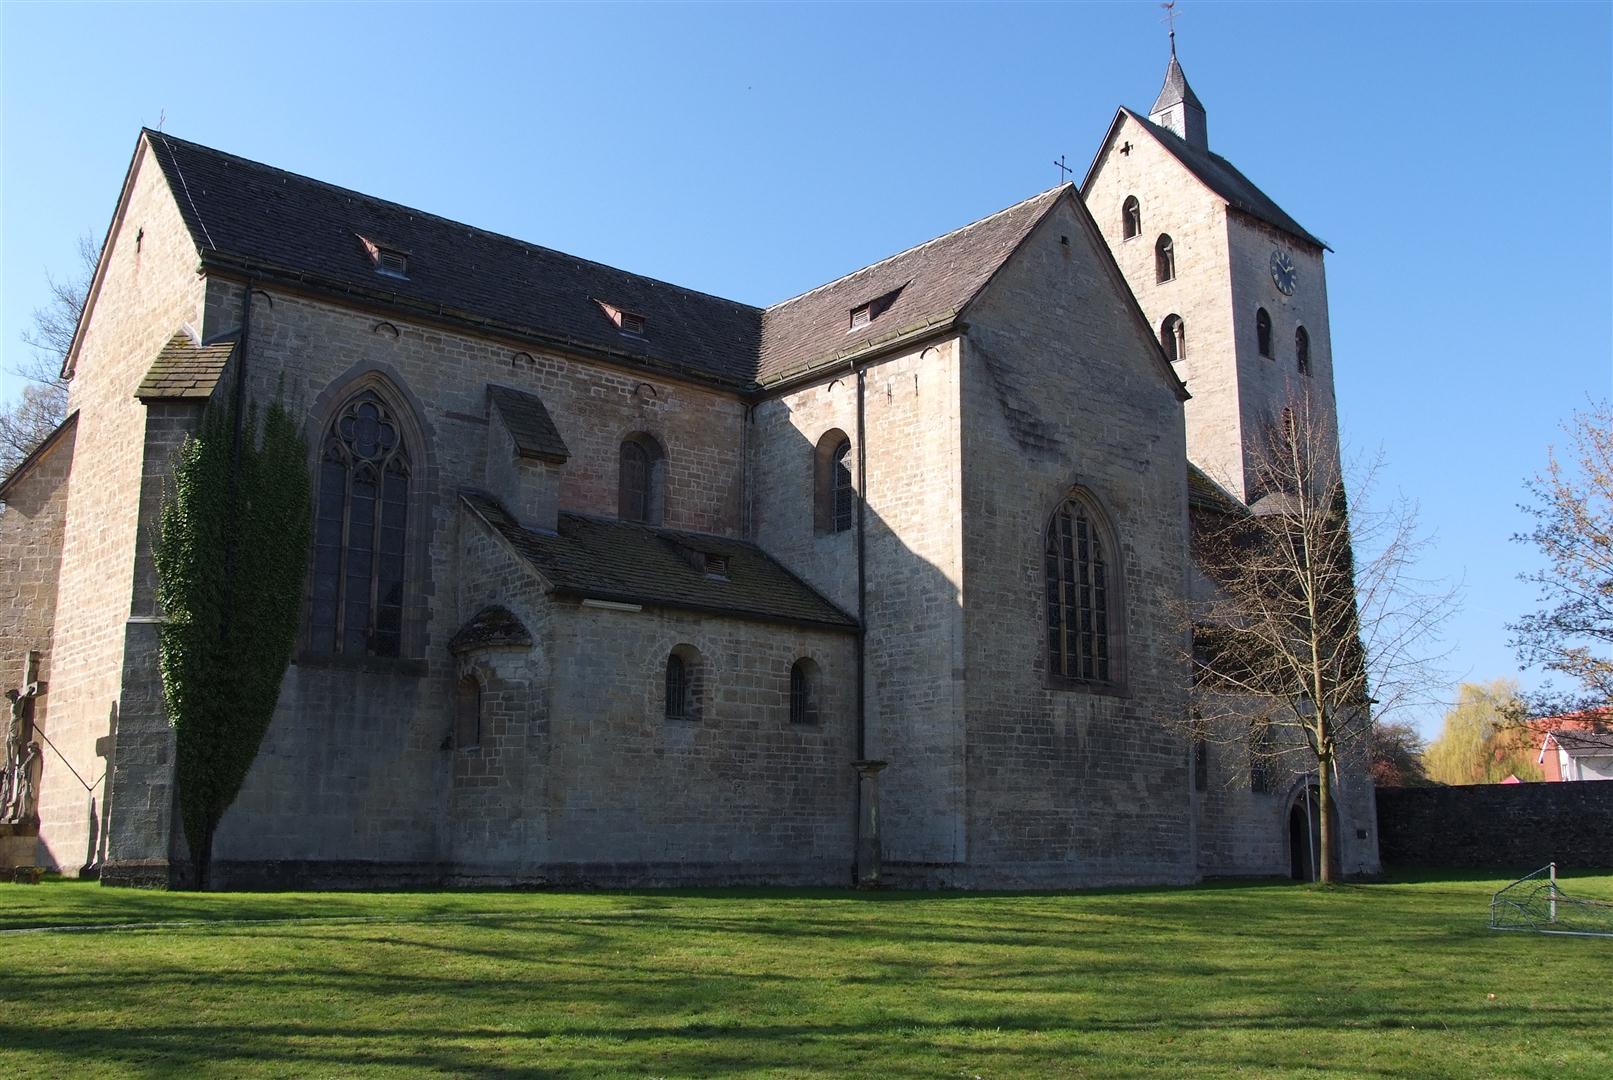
<point x="354" y="192"/>
<point x="916" y="247"/>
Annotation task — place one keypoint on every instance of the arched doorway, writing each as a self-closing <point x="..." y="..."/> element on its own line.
<point x="1305" y="834"/>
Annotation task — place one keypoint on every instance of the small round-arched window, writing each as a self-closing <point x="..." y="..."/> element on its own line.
<point x="804" y="692"/>
<point x="641" y="490"/>
<point x="1173" y="338"/>
<point x="1131" y="217"/>
<point x="1302" y="350"/>
<point x="1263" y="332"/>
<point x="1164" y="259"/>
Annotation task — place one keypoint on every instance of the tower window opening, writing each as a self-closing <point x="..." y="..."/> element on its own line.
<point x="1173" y="338"/>
<point x="1302" y="350"/>
<point x="1131" y="217"/>
<point x="1263" y="332"/>
<point x="1164" y="259"/>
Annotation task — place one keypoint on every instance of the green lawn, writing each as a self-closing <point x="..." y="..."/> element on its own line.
<point x="1261" y="979"/>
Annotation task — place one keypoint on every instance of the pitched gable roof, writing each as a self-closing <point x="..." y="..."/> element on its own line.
<point x="931" y="284"/>
<point x="244" y="213"/>
<point x="620" y="561"/>
<point x="26" y="465"/>
<point x="245" y="216"/>
<point x="1214" y="172"/>
<point x="185" y="369"/>
<point x="529" y="424"/>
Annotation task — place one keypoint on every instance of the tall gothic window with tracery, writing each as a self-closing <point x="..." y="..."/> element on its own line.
<point x="1079" y="596"/>
<point x="360" y="531"/>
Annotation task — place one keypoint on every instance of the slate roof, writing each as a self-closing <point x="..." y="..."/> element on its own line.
<point x="26" y="465"/>
<point x="1175" y="89"/>
<point x="1206" y="494"/>
<point x="932" y="282"/>
<point x="242" y="212"/>
<point x="529" y="424"/>
<point x="624" y="562"/>
<point x="1222" y="177"/>
<point x="245" y="215"/>
<point x="494" y="625"/>
<point x="184" y="369"/>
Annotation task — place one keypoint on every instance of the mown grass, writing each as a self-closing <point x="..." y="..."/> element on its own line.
<point x="1253" y="979"/>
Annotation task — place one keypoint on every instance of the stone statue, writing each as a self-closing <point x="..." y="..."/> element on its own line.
<point x="17" y="790"/>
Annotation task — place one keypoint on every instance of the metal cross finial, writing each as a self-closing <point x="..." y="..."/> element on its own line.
<point x="1062" y="168"/>
<point x="1170" y="19"/>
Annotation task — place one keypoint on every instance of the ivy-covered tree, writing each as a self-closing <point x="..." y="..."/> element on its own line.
<point x="231" y="564"/>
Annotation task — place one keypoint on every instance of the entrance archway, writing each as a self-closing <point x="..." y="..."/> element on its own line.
<point x="1305" y="834"/>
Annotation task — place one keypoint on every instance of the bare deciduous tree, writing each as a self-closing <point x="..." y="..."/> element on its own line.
<point x="1572" y="632"/>
<point x="42" y="405"/>
<point x="1295" y="642"/>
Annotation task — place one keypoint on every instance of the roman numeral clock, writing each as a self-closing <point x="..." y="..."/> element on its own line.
<point x="1283" y="274"/>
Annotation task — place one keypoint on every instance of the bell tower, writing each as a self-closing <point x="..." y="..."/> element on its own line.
<point x="1232" y="285"/>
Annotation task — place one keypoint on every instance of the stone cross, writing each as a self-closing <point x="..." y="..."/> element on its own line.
<point x="17" y="791"/>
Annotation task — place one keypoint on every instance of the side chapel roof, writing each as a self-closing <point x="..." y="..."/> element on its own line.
<point x="245" y="216"/>
<point x="591" y="558"/>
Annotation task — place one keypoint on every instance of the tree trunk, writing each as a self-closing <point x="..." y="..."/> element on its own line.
<point x="1324" y="814"/>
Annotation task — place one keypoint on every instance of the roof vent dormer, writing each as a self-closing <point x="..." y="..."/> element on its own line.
<point x="387" y="260"/>
<point x="628" y="322"/>
<point x="863" y="314"/>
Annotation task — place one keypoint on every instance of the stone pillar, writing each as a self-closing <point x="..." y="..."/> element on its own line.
<point x="868" y="845"/>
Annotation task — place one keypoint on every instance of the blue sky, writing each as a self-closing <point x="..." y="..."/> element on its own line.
<point x="1457" y="157"/>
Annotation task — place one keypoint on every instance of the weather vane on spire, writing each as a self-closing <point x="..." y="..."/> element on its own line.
<point x="1170" y="19"/>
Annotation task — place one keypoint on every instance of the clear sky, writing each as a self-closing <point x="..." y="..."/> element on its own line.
<point x="1457" y="158"/>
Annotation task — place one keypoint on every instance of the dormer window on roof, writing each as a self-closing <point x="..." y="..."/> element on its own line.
<point x="864" y="314"/>
<point x="391" y="261"/>
<point x="628" y="322"/>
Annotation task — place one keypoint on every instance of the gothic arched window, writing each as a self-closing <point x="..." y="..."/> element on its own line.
<point x="360" y="532"/>
<point x="1173" y="338"/>
<point x="1263" y="332"/>
<point x="1131" y="217"/>
<point x="1302" y="350"/>
<point x="834" y="495"/>
<point x="641" y="495"/>
<point x="1082" y="613"/>
<point x="1164" y="259"/>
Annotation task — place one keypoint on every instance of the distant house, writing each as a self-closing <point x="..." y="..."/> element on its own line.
<point x="1576" y="746"/>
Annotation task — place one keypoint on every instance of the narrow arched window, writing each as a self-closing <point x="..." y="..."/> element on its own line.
<point x="1173" y="338"/>
<point x="835" y="495"/>
<point x="1164" y="258"/>
<point x="804" y="692"/>
<point x="468" y="712"/>
<point x="641" y="489"/>
<point x="360" y="532"/>
<point x="1263" y="332"/>
<point x="1302" y="350"/>
<point x="1131" y="217"/>
<point x="1201" y="764"/>
<point x="677" y="688"/>
<point x="1080" y="590"/>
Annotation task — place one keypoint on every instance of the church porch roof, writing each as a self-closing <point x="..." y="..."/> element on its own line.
<point x="493" y="626"/>
<point x="593" y="558"/>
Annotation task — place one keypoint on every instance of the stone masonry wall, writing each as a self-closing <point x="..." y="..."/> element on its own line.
<point x="1062" y="388"/>
<point x="149" y="289"/>
<point x="738" y="794"/>
<point x="31" y="526"/>
<point x="1174" y="202"/>
<point x="913" y="569"/>
<point x="1516" y="827"/>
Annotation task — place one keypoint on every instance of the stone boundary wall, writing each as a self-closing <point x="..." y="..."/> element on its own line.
<point x="1514" y="826"/>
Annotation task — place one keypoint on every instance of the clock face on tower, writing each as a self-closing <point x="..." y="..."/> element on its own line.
<point x="1283" y="273"/>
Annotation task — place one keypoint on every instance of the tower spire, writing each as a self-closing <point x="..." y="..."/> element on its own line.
<point x="1177" y="108"/>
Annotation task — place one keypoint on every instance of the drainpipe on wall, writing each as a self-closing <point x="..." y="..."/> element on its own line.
<point x="866" y="868"/>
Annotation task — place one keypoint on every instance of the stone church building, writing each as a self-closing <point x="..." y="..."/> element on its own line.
<point x="613" y="581"/>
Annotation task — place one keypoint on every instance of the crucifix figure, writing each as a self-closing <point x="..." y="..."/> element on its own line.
<point x="17" y="791"/>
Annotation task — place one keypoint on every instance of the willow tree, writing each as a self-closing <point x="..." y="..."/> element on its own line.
<point x="231" y="564"/>
<point x="1295" y="642"/>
